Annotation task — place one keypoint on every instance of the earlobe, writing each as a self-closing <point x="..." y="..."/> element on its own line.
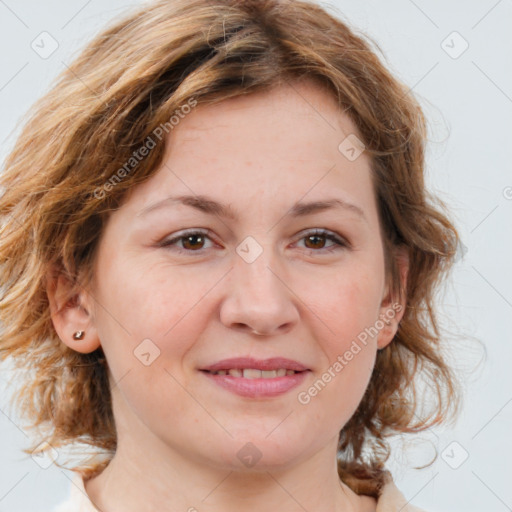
<point x="390" y="320"/>
<point x="393" y="307"/>
<point x="71" y="317"/>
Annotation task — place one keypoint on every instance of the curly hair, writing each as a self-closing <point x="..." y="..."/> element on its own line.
<point x="129" y="80"/>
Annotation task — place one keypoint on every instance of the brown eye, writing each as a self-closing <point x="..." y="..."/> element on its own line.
<point x="191" y="241"/>
<point x="316" y="241"/>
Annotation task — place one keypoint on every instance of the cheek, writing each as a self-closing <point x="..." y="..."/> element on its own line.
<point x="137" y="303"/>
<point x="348" y="304"/>
<point x="346" y="331"/>
<point x="146" y="327"/>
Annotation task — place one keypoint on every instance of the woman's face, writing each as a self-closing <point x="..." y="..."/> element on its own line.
<point x="183" y="284"/>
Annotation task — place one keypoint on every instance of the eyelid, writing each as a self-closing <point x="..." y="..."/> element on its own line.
<point x="340" y="241"/>
<point x="170" y="241"/>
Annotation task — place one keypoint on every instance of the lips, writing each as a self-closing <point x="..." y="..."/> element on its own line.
<point x="257" y="379"/>
<point x="254" y="373"/>
<point x="276" y="364"/>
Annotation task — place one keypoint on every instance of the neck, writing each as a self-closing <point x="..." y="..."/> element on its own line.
<point x="135" y="482"/>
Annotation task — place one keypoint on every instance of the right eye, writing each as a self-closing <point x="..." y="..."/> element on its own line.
<point x="191" y="241"/>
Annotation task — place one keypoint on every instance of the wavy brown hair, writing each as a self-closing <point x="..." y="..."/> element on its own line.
<point x="128" y="81"/>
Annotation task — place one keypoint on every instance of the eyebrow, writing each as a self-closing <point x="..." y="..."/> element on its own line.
<point x="210" y="206"/>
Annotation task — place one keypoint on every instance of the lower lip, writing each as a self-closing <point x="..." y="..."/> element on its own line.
<point x="254" y="388"/>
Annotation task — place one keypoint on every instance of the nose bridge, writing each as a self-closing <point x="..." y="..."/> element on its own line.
<point x="257" y="297"/>
<point x="254" y="269"/>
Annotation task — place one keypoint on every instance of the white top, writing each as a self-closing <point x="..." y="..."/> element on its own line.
<point x="390" y="500"/>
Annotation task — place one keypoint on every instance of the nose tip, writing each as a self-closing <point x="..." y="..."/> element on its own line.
<point x="245" y="326"/>
<point x="257" y="301"/>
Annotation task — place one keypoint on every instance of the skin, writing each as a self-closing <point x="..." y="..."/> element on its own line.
<point x="178" y="433"/>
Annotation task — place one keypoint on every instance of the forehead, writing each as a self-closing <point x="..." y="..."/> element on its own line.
<point x="266" y="148"/>
<point x="264" y="113"/>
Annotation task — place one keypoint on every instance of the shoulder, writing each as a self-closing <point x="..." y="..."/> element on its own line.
<point x="392" y="500"/>
<point x="78" y="500"/>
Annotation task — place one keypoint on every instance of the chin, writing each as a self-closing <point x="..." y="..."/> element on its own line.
<point x="258" y="452"/>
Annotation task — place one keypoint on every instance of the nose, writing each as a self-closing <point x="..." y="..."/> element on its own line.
<point x="259" y="298"/>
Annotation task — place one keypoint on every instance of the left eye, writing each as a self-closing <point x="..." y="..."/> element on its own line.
<point x="193" y="241"/>
<point x="319" y="234"/>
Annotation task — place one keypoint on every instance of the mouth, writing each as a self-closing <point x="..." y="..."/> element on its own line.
<point x="251" y="366"/>
<point x="254" y="373"/>
<point x="253" y="378"/>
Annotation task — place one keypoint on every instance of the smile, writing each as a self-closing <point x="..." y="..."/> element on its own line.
<point x="252" y="383"/>
<point x="253" y="373"/>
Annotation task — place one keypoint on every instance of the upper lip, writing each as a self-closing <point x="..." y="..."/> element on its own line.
<point x="274" y="363"/>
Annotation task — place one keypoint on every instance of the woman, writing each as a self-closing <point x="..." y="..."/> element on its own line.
<point x="219" y="255"/>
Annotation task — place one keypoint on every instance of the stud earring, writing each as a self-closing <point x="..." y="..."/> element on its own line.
<point x="78" y="335"/>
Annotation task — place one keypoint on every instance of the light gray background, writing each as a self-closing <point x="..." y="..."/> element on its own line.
<point x="468" y="101"/>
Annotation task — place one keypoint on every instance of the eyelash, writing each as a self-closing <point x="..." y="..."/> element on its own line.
<point x="329" y="235"/>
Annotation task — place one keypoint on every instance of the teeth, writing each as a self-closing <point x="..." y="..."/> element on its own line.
<point x="250" y="373"/>
<point x="253" y="373"/>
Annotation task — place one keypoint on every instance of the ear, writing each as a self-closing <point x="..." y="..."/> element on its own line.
<point x="71" y="313"/>
<point x="393" y="305"/>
